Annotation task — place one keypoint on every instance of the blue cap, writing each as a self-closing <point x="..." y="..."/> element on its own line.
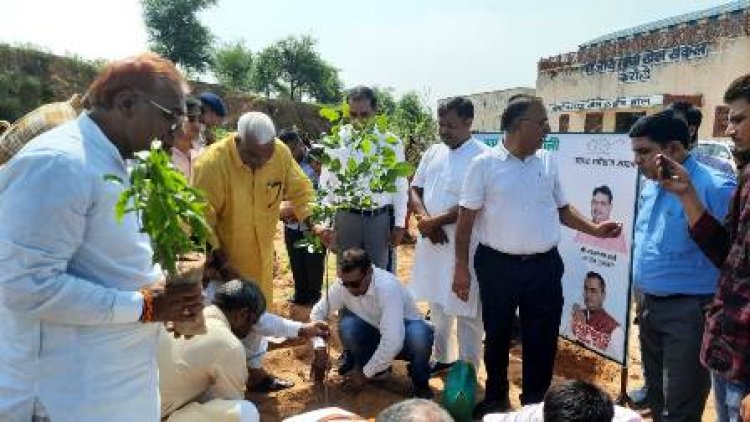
<point x="214" y="102"/>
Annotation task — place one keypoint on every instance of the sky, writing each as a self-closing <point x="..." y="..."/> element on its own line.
<point x="438" y="48"/>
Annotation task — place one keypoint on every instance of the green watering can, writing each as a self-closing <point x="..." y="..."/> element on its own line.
<point x="460" y="391"/>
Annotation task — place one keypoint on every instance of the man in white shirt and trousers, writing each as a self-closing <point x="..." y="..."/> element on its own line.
<point x="515" y="196"/>
<point x="381" y="228"/>
<point x="435" y="192"/>
<point x="379" y="323"/>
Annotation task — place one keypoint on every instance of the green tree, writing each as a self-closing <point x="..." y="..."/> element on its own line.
<point x="415" y="124"/>
<point x="293" y="69"/>
<point x="386" y="100"/>
<point x="233" y="66"/>
<point x="266" y="72"/>
<point x="175" y="32"/>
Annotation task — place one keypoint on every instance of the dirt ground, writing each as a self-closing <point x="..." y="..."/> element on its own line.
<point x="291" y="360"/>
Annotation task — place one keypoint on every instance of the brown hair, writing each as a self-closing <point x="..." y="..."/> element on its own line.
<point x="138" y="72"/>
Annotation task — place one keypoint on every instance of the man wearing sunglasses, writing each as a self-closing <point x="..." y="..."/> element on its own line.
<point x="82" y="302"/>
<point x="379" y="323"/>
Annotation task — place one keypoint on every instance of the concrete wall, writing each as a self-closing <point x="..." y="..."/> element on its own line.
<point x="488" y="106"/>
<point x="708" y="76"/>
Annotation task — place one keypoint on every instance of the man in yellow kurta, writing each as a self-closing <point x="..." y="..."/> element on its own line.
<point x="245" y="176"/>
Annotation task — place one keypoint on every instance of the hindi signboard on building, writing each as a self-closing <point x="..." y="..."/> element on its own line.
<point x="637" y="102"/>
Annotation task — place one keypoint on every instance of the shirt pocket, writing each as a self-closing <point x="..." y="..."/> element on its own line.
<point x="675" y="239"/>
<point x="274" y="193"/>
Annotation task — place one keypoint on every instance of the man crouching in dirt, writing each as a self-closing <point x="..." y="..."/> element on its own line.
<point x="379" y="323"/>
<point x="204" y="378"/>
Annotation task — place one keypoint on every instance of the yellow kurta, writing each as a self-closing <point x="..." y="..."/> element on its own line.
<point x="243" y="209"/>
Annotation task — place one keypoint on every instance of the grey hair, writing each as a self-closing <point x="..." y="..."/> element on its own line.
<point x="239" y="294"/>
<point x="414" y="410"/>
<point x="257" y="125"/>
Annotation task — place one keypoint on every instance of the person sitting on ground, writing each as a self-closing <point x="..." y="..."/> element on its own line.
<point x="203" y="378"/>
<point x="379" y="323"/>
<point x="414" y="410"/>
<point x="570" y="401"/>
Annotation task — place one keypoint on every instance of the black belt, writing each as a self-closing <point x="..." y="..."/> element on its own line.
<point x="369" y="213"/>
<point x="526" y="257"/>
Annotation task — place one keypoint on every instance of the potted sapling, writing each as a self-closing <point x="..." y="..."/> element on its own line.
<point x="172" y="214"/>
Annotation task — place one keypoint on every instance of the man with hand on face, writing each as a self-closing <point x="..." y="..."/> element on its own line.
<point x="379" y="323"/>
<point x="245" y="177"/>
<point x="676" y="279"/>
<point x="514" y="194"/>
<point x="435" y="192"/>
<point x="592" y="325"/>
<point x="726" y="340"/>
<point x="203" y="378"/>
<point x="80" y="296"/>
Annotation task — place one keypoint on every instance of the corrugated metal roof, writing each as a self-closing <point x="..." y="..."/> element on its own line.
<point x="676" y="20"/>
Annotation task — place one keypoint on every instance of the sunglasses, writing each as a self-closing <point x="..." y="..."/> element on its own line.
<point x="193" y="118"/>
<point x="173" y="116"/>
<point x="355" y="284"/>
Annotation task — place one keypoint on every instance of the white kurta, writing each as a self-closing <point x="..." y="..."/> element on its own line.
<point x="69" y="275"/>
<point x="440" y="174"/>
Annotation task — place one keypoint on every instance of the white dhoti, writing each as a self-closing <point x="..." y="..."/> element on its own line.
<point x="432" y="281"/>
<point x="216" y="411"/>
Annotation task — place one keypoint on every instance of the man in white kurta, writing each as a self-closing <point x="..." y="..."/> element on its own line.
<point x="435" y="192"/>
<point x="76" y="285"/>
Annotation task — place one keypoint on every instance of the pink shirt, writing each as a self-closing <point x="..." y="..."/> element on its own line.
<point x="183" y="162"/>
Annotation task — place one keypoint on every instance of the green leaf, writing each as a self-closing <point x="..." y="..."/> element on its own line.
<point x="330" y="114"/>
<point x="403" y="169"/>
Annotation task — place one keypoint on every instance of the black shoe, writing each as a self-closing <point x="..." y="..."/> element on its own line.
<point x="345" y="363"/>
<point x="424" y="392"/>
<point x="438" y="368"/>
<point x="491" y="406"/>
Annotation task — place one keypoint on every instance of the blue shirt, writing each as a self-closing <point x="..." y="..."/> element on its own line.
<point x="666" y="260"/>
<point x="69" y="275"/>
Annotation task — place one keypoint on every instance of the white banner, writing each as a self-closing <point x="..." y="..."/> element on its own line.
<point x="599" y="178"/>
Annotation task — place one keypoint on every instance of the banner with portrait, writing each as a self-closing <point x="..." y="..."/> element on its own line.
<point x="600" y="179"/>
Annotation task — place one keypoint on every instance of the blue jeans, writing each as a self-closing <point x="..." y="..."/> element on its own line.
<point x="361" y="339"/>
<point x="728" y="396"/>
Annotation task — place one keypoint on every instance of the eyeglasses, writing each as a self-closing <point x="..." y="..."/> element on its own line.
<point x="171" y="115"/>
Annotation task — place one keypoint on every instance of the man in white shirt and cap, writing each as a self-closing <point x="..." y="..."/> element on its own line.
<point x="379" y="323"/>
<point x="435" y="192"/>
<point x="515" y="196"/>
